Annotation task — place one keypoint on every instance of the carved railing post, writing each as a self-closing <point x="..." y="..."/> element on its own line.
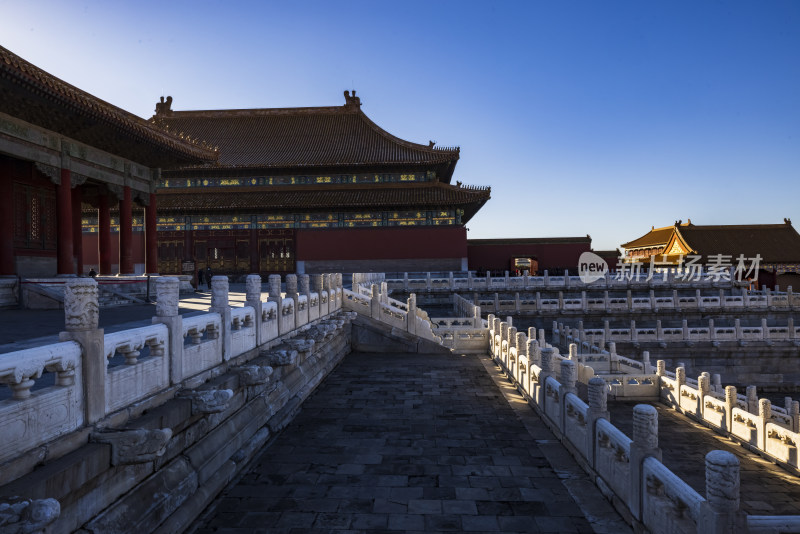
<point x="511" y="344"/>
<point x="752" y="399"/>
<point x="765" y="416"/>
<point x="324" y="295"/>
<point x="598" y="408"/>
<point x="546" y="364"/>
<point x="644" y="444"/>
<point x="477" y="322"/>
<point x="252" y="297"/>
<point x="316" y="286"/>
<point x="573" y="352"/>
<point x="219" y="304"/>
<point x="569" y="375"/>
<point x="613" y="358"/>
<point x="534" y="352"/>
<point x="292" y="293"/>
<point x="730" y="403"/>
<point x="411" y="316"/>
<point x="703" y="389"/>
<point x="167" y="299"/>
<point x="375" y="303"/>
<point x="680" y="380"/>
<point x="648" y="369"/>
<point x="81" y="314"/>
<point x="722" y="496"/>
<point x="522" y="350"/>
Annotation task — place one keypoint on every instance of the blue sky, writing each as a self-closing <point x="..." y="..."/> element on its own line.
<point x="599" y="118"/>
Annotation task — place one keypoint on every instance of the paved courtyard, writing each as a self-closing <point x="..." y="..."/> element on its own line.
<point x="413" y="443"/>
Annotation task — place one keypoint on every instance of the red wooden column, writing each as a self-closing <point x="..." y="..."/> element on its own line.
<point x="6" y="221"/>
<point x="150" y="237"/>
<point x="254" y="263"/>
<point x="77" y="233"/>
<point x="64" y="217"/>
<point x="126" y="233"/>
<point x="104" y="234"/>
<point x="188" y="243"/>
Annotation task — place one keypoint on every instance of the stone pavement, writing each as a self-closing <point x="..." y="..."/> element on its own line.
<point x="413" y="443"/>
<point x="766" y="488"/>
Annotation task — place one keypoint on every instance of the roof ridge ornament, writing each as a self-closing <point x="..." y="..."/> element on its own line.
<point x="164" y="108"/>
<point x="351" y="102"/>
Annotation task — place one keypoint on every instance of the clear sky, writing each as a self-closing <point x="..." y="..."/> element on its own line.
<point x="585" y="117"/>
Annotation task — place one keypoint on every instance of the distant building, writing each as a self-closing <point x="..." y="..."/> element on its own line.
<point x="777" y="245"/>
<point x="310" y="190"/>
<point x="554" y="254"/>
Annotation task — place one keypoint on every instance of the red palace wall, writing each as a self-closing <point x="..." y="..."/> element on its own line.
<point x="549" y="255"/>
<point x="382" y="249"/>
<point x="382" y="243"/>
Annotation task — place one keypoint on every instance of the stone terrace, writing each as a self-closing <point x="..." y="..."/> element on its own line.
<point x="407" y="442"/>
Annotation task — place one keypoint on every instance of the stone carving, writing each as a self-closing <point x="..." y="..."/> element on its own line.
<point x="291" y="283"/>
<point x="722" y="481"/>
<point x="135" y="446"/>
<point x="209" y="400"/>
<point x="282" y="357"/>
<point x="316" y="282"/>
<point x="301" y="345"/>
<point x="253" y="375"/>
<point x="568" y="374"/>
<point x="81" y="309"/>
<point x="167" y="295"/>
<point x="253" y="287"/>
<point x="598" y="395"/>
<point x="274" y="282"/>
<point x="130" y="342"/>
<point x="547" y="358"/>
<point x="25" y="516"/>
<point x="305" y="281"/>
<point x="645" y="426"/>
<point x="219" y="291"/>
<point x="20" y="368"/>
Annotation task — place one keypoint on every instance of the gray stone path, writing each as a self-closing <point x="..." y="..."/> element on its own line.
<point x="412" y="443"/>
<point x="766" y="488"/>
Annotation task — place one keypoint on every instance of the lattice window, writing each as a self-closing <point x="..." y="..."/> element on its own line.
<point x="34" y="217"/>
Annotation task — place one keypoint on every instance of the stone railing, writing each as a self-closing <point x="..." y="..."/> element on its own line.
<point x="367" y="279"/>
<point x="630" y="467"/>
<point x="703" y="399"/>
<point x="694" y="333"/>
<point x="635" y="302"/>
<point x="379" y="306"/>
<point x="77" y="391"/>
<point x="468" y="281"/>
<point x="125" y="367"/>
